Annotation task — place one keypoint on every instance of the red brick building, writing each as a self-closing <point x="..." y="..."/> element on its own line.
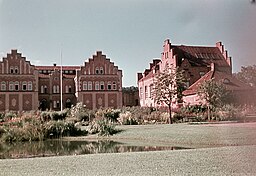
<point x="19" y="83"/>
<point x="27" y="87"/>
<point x="199" y="63"/>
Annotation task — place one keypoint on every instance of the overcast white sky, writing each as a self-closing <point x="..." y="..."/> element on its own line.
<point x="129" y="32"/>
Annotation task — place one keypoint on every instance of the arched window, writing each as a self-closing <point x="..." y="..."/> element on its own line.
<point x="54" y="89"/>
<point x="101" y="71"/>
<point x="96" y="85"/>
<point x="57" y="89"/>
<point x="84" y="85"/>
<point x="89" y="85"/>
<point x="30" y="85"/>
<point x="16" y="85"/>
<point x="11" y="70"/>
<point x="11" y="86"/>
<point x="16" y="70"/>
<point x="97" y="70"/>
<point x="3" y="85"/>
<point x="66" y="88"/>
<point x="42" y="89"/>
<point x="102" y="85"/>
<point x="68" y="103"/>
<point x="45" y="89"/>
<point x="109" y="86"/>
<point x="114" y="85"/>
<point x="24" y="85"/>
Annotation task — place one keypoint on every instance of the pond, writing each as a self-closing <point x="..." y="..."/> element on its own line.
<point x="61" y="148"/>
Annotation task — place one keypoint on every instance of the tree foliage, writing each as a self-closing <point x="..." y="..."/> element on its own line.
<point x="247" y="75"/>
<point x="214" y="93"/>
<point x="168" y="85"/>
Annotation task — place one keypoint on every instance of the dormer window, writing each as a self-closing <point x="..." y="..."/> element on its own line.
<point x="226" y="81"/>
<point x="201" y="73"/>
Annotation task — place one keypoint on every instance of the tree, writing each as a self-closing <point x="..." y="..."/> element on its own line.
<point x="168" y="87"/>
<point x="247" y="75"/>
<point x="213" y="93"/>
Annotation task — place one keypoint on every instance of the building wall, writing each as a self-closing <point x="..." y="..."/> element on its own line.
<point x="18" y="84"/>
<point x="24" y="87"/>
<point x="99" y="83"/>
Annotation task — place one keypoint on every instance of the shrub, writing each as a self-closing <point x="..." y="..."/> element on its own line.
<point x="10" y="115"/>
<point x="22" y="130"/>
<point x="2" y="115"/>
<point x="126" y="118"/>
<point x="80" y="113"/>
<point x="106" y="128"/>
<point x="56" y="129"/>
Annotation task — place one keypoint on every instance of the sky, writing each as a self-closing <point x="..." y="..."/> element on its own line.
<point x="129" y="32"/>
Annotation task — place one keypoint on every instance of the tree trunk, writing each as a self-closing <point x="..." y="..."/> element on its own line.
<point x="208" y="112"/>
<point x="170" y="114"/>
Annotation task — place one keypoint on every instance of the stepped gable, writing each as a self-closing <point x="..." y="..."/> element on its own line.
<point x="15" y="63"/>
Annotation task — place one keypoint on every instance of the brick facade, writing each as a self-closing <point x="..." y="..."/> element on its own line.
<point x="197" y="62"/>
<point x="100" y="79"/>
<point x="18" y="83"/>
<point x="25" y="87"/>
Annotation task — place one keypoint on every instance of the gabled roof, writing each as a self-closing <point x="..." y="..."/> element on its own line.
<point x="230" y="82"/>
<point x="200" y="56"/>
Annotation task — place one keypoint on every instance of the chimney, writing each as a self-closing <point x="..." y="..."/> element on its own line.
<point x="54" y="64"/>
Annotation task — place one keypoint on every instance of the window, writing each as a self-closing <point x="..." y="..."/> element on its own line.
<point x="66" y="87"/>
<point x="11" y="69"/>
<point x="109" y="86"/>
<point x="186" y="84"/>
<point x="97" y="70"/>
<point x="16" y="70"/>
<point x="45" y="89"/>
<point x="11" y="86"/>
<point x="54" y="104"/>
<point x="151" y="91"/>
<point x="69" y="89"/>
<point x="114" y="85"/>
<point x="3" y="85"/>
<point x="84" y="85"/>
<point x="54" y="89"/>
<point x="24" y="85"/>
<point x="70" y="71"/>
<point x="42" y="89"/>
<point x="146" y="91"/>
<point x="226" y="81"/>
<point x="89" y="85"/>
<point x="58" y="104"/>
<point x="101" y="70"/>
<point x="16" y="85"/>
<point x="96" y="85"/>
<point x="57" y="89"/>
<point x="29" y="85"/>
<point x="102" y="85"/>
<point x="141" y="92"/>
<point x="201" y="73"/>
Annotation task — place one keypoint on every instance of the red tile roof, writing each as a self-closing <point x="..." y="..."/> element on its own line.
<point x="199" y="55"/>
<point x="231" y="84"/>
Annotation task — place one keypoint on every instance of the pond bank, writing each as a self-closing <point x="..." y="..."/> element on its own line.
<point x="230" y="150"/>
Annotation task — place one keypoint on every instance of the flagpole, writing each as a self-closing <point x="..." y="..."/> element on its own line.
<point x="61" y="103"/>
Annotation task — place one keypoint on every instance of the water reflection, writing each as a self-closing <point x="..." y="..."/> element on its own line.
<point x="59" y="148"/>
